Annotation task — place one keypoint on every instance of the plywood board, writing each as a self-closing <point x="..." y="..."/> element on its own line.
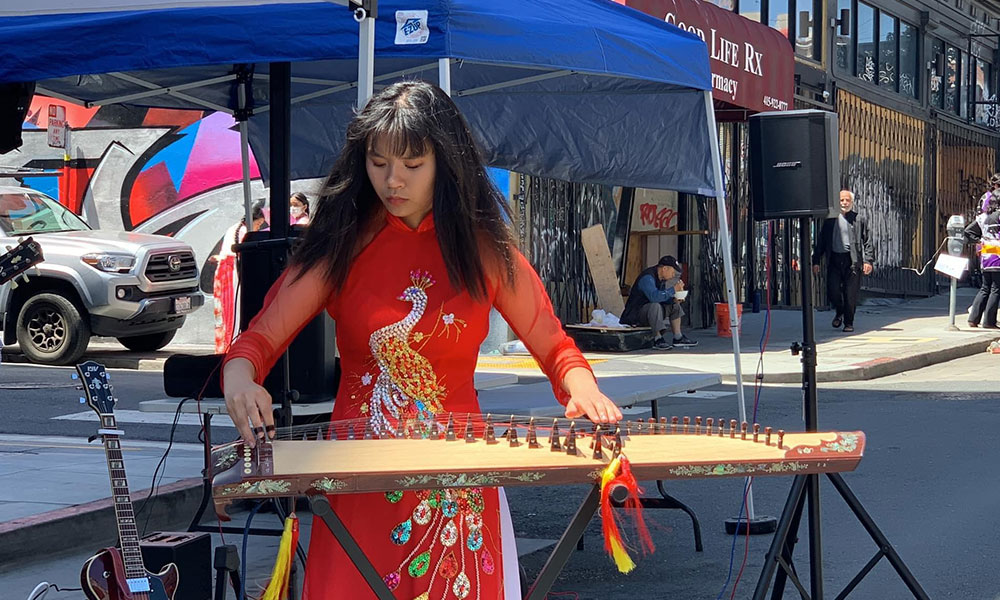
<point x="602" y="269"/>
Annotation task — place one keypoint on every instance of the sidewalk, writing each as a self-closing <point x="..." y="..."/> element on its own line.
<point x="55" y="492"/>
<point x="891" y="336"/>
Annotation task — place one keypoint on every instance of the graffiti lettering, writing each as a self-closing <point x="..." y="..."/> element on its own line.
<point x="651" y="215"/>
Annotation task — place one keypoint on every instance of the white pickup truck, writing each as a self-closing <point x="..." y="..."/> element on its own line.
<point x="135" y="287"/>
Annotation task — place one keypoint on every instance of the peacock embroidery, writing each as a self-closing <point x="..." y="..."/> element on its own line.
<point x="406" y="384"/>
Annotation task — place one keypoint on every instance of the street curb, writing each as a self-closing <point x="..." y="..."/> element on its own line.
<point x="30" y="538"/>
<point x="874" y="369"/>
<point x="111" y="362"/>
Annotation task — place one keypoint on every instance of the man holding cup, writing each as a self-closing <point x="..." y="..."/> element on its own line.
<point x="655" y="301"/>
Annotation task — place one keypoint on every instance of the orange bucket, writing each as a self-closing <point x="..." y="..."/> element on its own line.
<point x="722" y="328"/>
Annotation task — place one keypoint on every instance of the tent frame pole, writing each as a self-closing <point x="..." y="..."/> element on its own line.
<point x="444" y="75"/>
<point x="244" y="80"/>
<point x="366" y="55"/>
<point x="725" y="242"/>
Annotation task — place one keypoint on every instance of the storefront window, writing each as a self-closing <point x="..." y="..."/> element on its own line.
<point x="908" y="70"/>
<point x="866" y="68"/>
<point x="777" y="15"/>
<point x="963" y="86"/>
<point x="936" y="81"/>
<point x="986" y="114"/>
<point x="750" y="9"/>
<point x="887" y="58"/>
<point x="845" y="51"/>
<point x="804" y="38"/>
<point x="951" y="76"/>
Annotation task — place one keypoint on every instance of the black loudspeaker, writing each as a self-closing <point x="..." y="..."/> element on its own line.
<point x="794" y="164"/>
<point x="312" y="364"/>
<point x="191" y="552"/>
<point x="15" y="99"/>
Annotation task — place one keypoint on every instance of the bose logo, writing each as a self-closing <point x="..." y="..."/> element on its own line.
<point x="792" y="164"/>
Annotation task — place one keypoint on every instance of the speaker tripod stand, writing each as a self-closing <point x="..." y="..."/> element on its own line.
<point x="805" y="488"/>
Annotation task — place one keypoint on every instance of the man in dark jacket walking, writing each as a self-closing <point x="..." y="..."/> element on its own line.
<point x="846" y="244"/>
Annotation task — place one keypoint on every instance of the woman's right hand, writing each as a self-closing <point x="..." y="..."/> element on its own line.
<point x="248" y="404"/>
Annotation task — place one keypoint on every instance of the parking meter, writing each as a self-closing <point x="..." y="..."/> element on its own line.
<point x="956" y="234"/>
<point x="956" y="243"/>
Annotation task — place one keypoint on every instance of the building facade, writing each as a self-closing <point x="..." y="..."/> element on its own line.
<point x="914" y="85"/>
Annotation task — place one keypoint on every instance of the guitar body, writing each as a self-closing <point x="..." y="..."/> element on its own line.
<point x="100" y="581"/>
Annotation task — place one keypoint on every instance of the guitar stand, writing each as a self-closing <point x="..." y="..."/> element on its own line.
<point x="539" y="589"/>
<point x="806" y="487"/>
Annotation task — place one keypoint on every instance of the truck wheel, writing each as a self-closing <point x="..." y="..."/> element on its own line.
<point x="51" y="330"/>
<point x="148" y="342"/>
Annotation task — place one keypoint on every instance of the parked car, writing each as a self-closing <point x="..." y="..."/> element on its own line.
<point x="135" y="287"/>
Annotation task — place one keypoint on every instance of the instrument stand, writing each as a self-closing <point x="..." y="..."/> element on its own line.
<point x="805" y="488"/>
<point x="539" y="589"/>
<point x="227" y="562"/>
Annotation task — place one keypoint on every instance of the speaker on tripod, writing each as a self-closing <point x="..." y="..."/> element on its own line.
<point x="794" y="173"/>
<point x="794" y="165"/>
<point x="313" y="369"/>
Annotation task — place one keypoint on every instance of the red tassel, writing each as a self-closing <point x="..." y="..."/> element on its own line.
<point x="617" y="474"/>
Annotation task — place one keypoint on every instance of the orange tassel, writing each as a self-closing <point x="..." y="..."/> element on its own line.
<point x="618" y="473"/>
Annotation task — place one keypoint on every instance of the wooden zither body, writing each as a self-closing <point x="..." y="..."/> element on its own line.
<point x="347" y="458"/>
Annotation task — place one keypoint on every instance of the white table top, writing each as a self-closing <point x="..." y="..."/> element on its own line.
<point x="482" y="381"/>
<point x="537" y="399"/>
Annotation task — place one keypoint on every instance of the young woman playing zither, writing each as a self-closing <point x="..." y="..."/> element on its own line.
<point x="408" y="250"/>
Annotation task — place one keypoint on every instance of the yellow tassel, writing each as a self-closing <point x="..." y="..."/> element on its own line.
<point x="277" y="588"/>
<point x="612" y="537"/>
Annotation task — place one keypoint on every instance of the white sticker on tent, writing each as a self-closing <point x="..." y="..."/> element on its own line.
<point x="411" y="27"/>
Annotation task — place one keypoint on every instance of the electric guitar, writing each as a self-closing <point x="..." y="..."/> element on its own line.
<point x="113" y="573"/>
<point x="18" y="259"/>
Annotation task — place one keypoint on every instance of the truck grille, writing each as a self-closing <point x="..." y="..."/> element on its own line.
<point x="171" y="266"/>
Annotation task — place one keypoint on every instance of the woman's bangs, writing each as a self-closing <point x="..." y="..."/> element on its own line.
<point x="402" y="132"/>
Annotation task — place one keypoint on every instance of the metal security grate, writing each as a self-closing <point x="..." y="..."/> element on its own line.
<point x="884" y="156"/>
<point x="160" y="267"/>
<point x="550" y="214"/>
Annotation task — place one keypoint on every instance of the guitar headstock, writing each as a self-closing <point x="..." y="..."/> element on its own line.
<point x="97" y="388"/>
<point x="19" y="259"/>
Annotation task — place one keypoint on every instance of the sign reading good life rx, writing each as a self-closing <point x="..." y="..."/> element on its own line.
<point x="411" y="27"/>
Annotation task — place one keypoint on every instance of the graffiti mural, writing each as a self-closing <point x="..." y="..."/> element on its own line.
<point x="169" y="172"/>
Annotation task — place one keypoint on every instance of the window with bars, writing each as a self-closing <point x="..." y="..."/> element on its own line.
<point x="879" y="48"/>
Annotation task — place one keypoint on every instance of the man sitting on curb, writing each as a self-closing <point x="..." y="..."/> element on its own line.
<point x="653" y="302"/>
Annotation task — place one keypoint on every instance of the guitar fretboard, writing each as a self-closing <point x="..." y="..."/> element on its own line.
<point x="128" y="533"/>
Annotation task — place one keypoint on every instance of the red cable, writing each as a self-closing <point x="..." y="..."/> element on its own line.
<point x="746" y="546"/>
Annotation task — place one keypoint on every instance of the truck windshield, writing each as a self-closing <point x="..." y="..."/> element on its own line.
<point x="23" y="213"/>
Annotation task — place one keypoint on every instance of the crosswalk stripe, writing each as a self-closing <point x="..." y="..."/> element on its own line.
<point x="137" y="416"/>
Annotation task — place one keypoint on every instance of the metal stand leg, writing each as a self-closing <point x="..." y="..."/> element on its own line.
<point x="885" y="548"/>
<point x="780" y="553"/>
<point x="561" y="553"/>
<point x="669" y="501"/>
<point x="322" y="509"/>
<point x="778" y="544"/>
<point x="227" y="562"/>
<point x="206" y="476"/>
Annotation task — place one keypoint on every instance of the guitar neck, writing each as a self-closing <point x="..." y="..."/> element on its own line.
<point x="124" y="513"/>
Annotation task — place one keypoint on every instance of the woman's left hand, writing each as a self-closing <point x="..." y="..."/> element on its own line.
<point x="594" y="405"/>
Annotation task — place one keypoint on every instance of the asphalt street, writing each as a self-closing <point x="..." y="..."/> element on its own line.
<point x="929" y="479"/>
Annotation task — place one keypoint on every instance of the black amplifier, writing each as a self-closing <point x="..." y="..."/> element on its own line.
<point x="191" y="552"/>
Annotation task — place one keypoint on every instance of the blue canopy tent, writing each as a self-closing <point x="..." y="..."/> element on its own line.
<point x="582" y="90"/>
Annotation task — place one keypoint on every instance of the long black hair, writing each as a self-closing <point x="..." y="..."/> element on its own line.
<point x="470" y="213"/>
